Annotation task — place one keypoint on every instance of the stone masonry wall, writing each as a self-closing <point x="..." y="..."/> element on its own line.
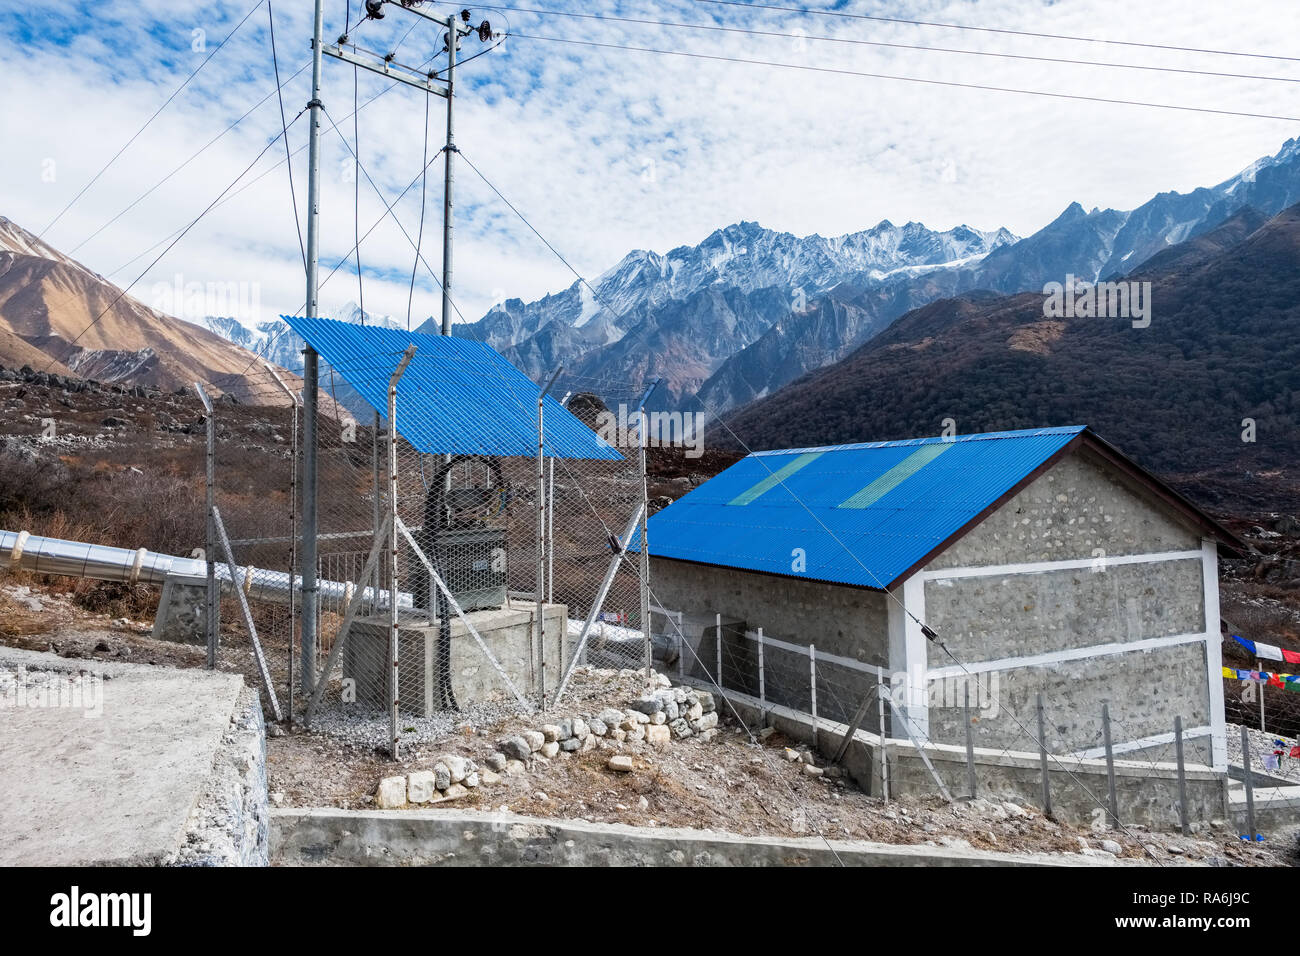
<point x="837" y="620"/>
<point x="1079" y="505"/>
<point x="1079" y="510"/>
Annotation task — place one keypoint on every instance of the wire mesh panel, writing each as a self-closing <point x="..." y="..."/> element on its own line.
<point x="254" y="490"/>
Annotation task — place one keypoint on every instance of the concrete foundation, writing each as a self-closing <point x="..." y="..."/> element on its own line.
<point x="152" y="765"/>
<point x="468" y="838"/>
<point x="182" y="611"/>
<point x="507" y="632"/>
<point x="1147" y="793"/>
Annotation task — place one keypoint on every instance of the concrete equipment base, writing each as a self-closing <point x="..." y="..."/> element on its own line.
<point x="508" y="633"/>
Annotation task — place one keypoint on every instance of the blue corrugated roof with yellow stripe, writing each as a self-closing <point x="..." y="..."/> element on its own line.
<point x="861" y="514"/>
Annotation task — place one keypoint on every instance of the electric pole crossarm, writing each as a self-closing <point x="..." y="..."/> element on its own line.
<point x="383" y="68"/>
<point x="446" y="20"/>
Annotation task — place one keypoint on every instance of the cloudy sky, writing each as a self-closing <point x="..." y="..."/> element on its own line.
<point x="607" y="149"/>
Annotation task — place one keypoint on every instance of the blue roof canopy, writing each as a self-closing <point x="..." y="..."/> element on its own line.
<point x="456" y="397"/>
<point x="859" y="514"/>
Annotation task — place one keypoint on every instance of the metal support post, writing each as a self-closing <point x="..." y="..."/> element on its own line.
<point x="1110" y="765"/>
<point x="1182" y="776"/>
<point x="1042" y="758"/>
<point x="394" y="695"/>
<point x="970" y="740"/>
<point x="212" y="597"/>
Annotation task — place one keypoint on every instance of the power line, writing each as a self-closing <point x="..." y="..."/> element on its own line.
<point x="911" y="79"/>
<point x="389" y="210"/>
<point x="122" y="292"/>
<point x="419" y="236"/>
<point x="904" y="46"/>
<point x="1007" y="32"/>
<point x="136" y="135"/>
<point x="293" y="193"/>
<point x="193" y="156"/>
<point x="261" y="175"/>
<point x="525" y="221"/>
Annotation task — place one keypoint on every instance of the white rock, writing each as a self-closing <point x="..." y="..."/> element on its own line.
<point x="658" y="734"/>
<point x="391" y="793"/>
<point x="534" y="740"/>
<point x="621" y="763"/>
<point x="551" y="732"/>
<point x="549" y="749"/>
<point x="457" y="766"/>
<point x="420" y="786"/>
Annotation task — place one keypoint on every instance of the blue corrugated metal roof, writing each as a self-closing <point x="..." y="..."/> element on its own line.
<point x="456" y="397"/>
<point x="862" y="514"/>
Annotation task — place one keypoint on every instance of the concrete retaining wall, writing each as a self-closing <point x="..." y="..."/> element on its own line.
<point x="468" y="838"/>
<point x="1147" y="793"/>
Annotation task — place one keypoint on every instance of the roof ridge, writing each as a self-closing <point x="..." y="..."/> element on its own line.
<point x="913" y="442"/>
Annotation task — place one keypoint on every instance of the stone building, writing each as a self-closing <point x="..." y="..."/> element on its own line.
<point x="1015" y="563"/>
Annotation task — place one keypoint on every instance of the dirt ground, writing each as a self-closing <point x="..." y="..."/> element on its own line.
<point x="732" y="783"/>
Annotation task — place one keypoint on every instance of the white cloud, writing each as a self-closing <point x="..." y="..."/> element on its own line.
<point x="608" y="150"/>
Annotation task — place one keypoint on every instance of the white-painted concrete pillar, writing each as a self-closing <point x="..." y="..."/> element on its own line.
<point x="907" y="656"/>
<point x="1214" y="653"/>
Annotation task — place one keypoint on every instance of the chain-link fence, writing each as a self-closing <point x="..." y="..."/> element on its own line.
<point x="974" y="736"/>
<point x="532" y="560"/>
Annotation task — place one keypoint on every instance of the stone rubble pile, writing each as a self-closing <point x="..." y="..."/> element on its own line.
<point x="657" y="717"/>
<point x="451" y="777"/>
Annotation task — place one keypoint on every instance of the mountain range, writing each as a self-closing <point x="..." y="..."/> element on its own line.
<point x="1207" y="394"/>
<point x="57" y="315"/>
<point x="749" y="310"/>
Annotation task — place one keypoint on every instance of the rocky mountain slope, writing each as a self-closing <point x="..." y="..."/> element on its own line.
<point x="1208" y="394"/>
<point x="748" y="310"/>
<point x="57" y="315"/>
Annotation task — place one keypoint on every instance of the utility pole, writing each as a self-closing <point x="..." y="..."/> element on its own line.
<point x="310" y="518"/>
<point x="457" y="26"/>
<point x="453" y="37"/>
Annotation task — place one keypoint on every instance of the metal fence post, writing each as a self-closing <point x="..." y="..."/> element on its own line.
<point x="1250" y="786"/>
<point x="1263" y="686"/>
<point x="1042" y="759"/>
<point x="1182" y="776"/>
<point x="884" y="748"/>
<point x="550" y="533"/>
<point x="970" y="742"/>
<point x="394" y="643"/>
<point x="762" y="680"/>
<point x="1110" y="764"/>
<point x="812" y="680"/>
<point x="718" y="619"/>
<point x="210" y="626"/>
